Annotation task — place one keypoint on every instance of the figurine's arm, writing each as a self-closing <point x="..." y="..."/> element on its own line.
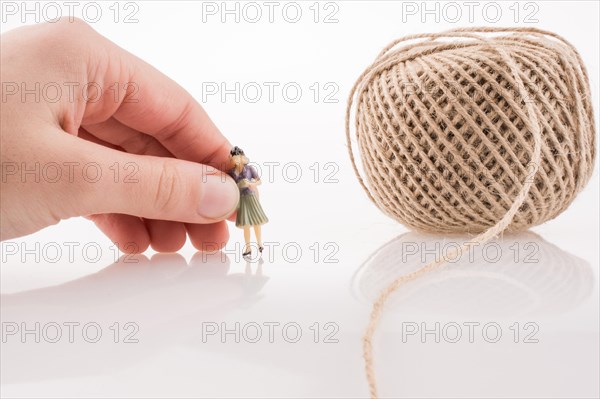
<point x="250" y="183"/>
<point x="255" y="179"/>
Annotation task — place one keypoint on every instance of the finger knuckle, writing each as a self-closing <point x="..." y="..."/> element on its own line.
<point x="67" y="35"/>
<point x="170" y="185"/>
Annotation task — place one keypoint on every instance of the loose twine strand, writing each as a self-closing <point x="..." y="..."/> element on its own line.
<point x="576" y="80"/>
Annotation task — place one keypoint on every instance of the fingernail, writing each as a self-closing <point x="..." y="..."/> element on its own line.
<point x="219" y="198"/>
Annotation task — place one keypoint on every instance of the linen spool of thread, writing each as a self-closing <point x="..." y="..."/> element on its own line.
<point x="477" y="130"/>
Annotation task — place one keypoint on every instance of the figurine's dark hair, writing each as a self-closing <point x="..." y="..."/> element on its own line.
<point x="236" y="151"/>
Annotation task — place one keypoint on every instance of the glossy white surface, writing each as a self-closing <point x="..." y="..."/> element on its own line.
<point x="330" y="251"/>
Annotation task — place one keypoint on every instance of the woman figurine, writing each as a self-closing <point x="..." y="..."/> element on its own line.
<point x="249" y="212"/>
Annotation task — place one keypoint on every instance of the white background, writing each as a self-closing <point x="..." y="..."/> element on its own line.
<point x="348" y="249"/>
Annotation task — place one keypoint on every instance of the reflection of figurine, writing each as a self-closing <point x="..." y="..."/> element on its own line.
<point x="249" y="212"/>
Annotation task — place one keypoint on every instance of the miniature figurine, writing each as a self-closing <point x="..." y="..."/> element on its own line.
<point x="249" y="212"/>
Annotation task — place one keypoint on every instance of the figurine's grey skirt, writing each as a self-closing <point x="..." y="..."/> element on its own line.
<point x="249" y="212"/>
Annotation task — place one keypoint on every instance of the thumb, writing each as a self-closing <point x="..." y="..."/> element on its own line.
<point x="151" y="187"/>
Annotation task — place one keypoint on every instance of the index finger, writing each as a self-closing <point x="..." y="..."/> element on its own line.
<point x="150" y="102"/>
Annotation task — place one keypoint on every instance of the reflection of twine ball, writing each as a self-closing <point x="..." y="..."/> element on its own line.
<point x="446" y="133"/>
<point x="516" y="275"/>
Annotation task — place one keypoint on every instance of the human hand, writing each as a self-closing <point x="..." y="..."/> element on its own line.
<point x="121" y="143"/>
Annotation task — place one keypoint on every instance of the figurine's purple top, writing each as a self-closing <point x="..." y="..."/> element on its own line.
<point x="247" y="173"/>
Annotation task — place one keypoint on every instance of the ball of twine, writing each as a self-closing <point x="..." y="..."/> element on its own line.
<point x="473" y="130"/>
<point x="447" y="129"/>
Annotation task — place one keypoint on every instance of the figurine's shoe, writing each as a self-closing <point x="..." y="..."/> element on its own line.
<point x="260" y="249"/>
<point x="247" y="253"/>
